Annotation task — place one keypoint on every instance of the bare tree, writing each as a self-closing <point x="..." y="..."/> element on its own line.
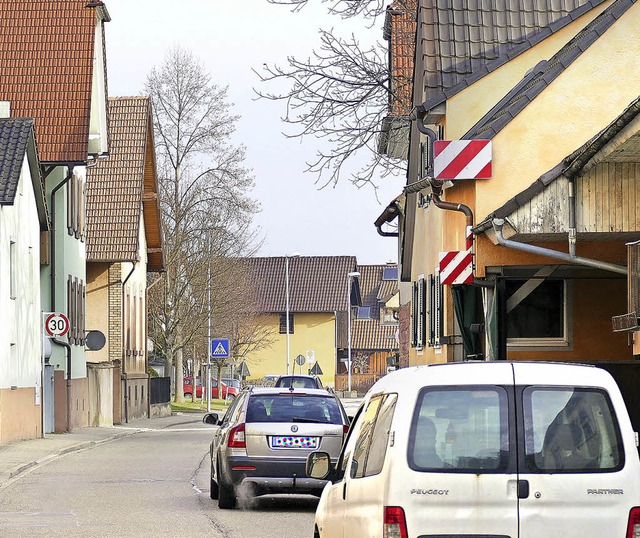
<point x="204" y="194"/>
<point x="340" y="96"/>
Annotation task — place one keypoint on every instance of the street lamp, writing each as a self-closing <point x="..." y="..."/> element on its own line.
<point x="351" y="275"/>
<point x="286" y="284"/>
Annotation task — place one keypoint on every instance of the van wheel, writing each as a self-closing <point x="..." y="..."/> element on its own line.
<point x="213" y="488"/>
<point x="226" y="494"/>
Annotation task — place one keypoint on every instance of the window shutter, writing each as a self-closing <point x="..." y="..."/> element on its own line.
<point x="414" y="314"/>
<point x="438" y="312"/>
<point x="83" y="208"/>
<point x="70" y="206"/>
<point x="420" y="340"/>
<point x="432" y="309"/>
<point x="82" y="302"/>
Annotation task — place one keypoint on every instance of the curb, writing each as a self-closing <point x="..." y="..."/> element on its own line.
<point x="82" y="445"/>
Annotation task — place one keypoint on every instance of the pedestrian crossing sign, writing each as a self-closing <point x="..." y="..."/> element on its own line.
<point x="220" y="348"/>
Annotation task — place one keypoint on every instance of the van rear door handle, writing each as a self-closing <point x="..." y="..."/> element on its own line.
<point x="523" y="489"/>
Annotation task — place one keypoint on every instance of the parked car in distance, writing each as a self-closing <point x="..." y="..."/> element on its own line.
<point x="230" y="382"/>
<point x="227" y="392"/>
<point x="516" y="446"/>
<point x="299" y="381"/>
<point x="264" y="440"/>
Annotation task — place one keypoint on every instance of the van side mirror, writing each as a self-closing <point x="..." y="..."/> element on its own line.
<point x="211" y="418"/>
<point x="318" y="465"/>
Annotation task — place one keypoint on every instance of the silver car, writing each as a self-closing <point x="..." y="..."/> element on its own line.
<point x="265" y="437"/>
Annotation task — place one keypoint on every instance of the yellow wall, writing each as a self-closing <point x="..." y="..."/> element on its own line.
<point x="467" y="107"/>
<point x="97" y="314"/>
<point x="21" y="417"/>
<point x="313" y="331"/>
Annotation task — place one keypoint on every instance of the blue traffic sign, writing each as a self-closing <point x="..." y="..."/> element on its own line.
<point x="219" y="348"/>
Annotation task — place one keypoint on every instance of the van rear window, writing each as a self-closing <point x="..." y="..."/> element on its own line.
<point x="570" y="430"/>
<point x="461" y="429"/>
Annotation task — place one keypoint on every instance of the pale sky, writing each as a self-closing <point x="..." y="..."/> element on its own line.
<point x="230" y="37"/>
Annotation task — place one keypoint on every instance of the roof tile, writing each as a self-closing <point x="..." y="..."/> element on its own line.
<point x="46" y="57"/>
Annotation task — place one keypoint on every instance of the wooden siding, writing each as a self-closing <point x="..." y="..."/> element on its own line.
<point x="606" y="202"/>
<point x="606" y="198"/>
<point x="545" y="213"/>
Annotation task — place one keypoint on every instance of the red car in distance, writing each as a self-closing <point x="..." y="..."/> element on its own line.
<point x="227" y="392"/>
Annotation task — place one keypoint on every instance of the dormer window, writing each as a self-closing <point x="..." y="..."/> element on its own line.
<point x="363" y="312"/>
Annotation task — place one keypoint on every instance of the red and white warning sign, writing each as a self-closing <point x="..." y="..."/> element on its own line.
<point x="456" y="267"/>
<point x="462" y="159"/>
<point x="56" y="324"/>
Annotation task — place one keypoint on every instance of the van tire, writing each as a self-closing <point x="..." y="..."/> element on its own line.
<point x="226" y="494"/>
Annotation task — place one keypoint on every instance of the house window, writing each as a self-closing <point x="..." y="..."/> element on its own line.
<point x="418" y="313"/>
<point x="390" y="273"/>
<point x="537" y="313"/>
<point x="388" y="316"/>
<point x="283" y="323"/>
<point x="13" y="269"/>
<point x="427" y="312"/>
<point x="363" y="312"/>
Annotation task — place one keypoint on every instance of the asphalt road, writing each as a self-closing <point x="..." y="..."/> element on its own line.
<point x="154" y="483"/>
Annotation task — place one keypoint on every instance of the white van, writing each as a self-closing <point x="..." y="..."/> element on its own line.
<point x="485" y="450"/>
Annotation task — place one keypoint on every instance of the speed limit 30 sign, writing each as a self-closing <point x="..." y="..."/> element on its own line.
<point x="56" y="324"/>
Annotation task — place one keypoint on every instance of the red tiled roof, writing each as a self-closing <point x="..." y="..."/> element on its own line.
<point x="120" y="187"/>
<point x="46" y="61"/>
<point x="316" y="283"/>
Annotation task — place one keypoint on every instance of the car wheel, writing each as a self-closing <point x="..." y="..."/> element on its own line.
<point x="226" y="494"/>
<point x="213" y="487"/>
<point x="230" y="397"/>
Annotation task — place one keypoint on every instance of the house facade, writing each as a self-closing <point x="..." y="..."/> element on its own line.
<point x="124" y="245"/>
<point x="53" y="59"/>
<point x="317" y="292"/>
<point x="550" y="232"/>
<point x="374" y="322"/>
<point x="23" y="216"/>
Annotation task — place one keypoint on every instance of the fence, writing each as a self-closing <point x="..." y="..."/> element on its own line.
<point x="359" y="382"/>
<point x="159" y="390"/>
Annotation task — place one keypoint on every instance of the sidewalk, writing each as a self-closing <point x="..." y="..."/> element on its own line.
<point x="18" y="457"/>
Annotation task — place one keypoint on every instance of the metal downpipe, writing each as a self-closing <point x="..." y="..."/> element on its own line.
<point x="541" y="251"/>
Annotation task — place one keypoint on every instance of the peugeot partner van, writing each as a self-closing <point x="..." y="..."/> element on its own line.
<point x="485" y="450"/>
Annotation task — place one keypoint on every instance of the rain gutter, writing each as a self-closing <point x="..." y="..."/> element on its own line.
<point x="541" y="251"/>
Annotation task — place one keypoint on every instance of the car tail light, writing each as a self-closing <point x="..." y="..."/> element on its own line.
<point x="236" y="437"/>
<point x="395" y="525"/>
<point x="633" y="528"/>
<point x="345" y="429"/>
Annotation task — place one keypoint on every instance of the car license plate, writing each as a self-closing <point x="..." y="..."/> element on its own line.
<point x="294" y="441"/>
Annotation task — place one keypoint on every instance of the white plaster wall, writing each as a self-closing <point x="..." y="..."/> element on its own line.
<point x="137" y="282"/>
<point x="20" y="318"/>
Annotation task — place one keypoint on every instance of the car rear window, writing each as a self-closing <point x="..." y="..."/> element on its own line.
<point x="293" y="408"/>
<point x="460" y="429"/>
<point x="570" y="430"/>
<point x="298" y="382"/>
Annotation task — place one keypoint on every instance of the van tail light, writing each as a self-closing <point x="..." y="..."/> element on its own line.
<point x="395" y="524"/>
<point x="236" y="437"/>
<point x="633" y="528"/>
